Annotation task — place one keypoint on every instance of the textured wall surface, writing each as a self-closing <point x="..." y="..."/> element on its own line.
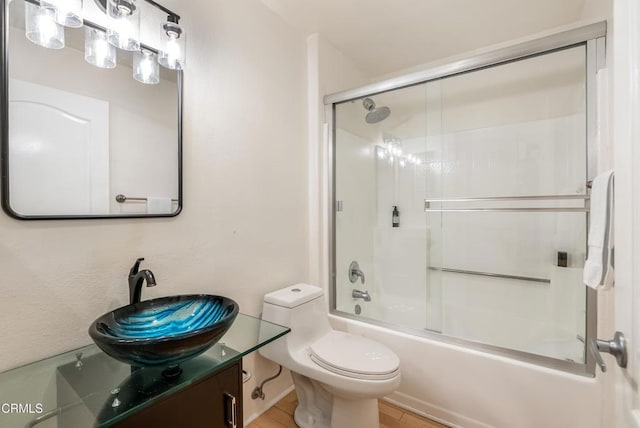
<point x="243" y="230"/>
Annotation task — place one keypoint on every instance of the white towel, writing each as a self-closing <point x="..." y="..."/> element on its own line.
<point x="598" y="270"/>
<point x="159" y="205"/>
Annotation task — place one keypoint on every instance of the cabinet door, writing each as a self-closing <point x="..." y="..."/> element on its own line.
<point x="214" y="402"/>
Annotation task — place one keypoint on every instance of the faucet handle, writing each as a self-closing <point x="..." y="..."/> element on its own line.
<point x="136" y="266"/>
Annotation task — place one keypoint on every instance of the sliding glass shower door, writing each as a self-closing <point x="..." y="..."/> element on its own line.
<point x="466" y="207"/>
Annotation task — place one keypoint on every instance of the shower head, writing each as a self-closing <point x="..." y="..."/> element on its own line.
<point x="376" y="114"/>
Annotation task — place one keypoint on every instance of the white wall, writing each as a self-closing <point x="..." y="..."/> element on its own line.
<point x="243" y="231"/>
<point x="329" y="70"/>
<point x="597" y="9"/>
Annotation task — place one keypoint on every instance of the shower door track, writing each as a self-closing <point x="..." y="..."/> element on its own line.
<point x="514" y="52"/>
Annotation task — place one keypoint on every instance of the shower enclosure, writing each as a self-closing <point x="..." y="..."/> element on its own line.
<point x="462" y="194"/>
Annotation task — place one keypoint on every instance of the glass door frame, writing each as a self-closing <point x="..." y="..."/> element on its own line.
<point x="593" y="37"/>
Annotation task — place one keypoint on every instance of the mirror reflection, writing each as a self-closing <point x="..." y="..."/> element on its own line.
<point x="93" y="130"/>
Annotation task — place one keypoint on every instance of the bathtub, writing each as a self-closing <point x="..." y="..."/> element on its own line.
<point x="412" y="313"/>
<point x="469" y="388"/>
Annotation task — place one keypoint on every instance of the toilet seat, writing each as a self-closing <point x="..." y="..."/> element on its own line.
<point x="354" y="356"/>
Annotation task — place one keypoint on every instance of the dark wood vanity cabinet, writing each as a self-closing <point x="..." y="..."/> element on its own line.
<point x="212" y="402"/>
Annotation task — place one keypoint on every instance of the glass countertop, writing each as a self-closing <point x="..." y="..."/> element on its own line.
<point x="79" y="387"/>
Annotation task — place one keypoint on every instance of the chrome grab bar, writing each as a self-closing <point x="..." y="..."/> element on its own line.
<point x="514" y="198"/>
<point x="493" y="275"/>
<point x="122" y="199"/>
<point x="586" y="198"/>
<point x="513" y="210"/>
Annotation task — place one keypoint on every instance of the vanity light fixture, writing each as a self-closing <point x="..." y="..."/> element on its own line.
<point x="145" y="67"/>
<point x="124" y="24"/>
<point x="97" y="49"/>
<point x="41" y="27"/>
<point x="68" y="12"/>
<point x="172" y="53"/>
<point x="45" y="21"/>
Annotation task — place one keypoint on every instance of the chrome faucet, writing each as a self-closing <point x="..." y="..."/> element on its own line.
<point x="357" y="294"/>
<point x="355" y="273"/>
<point x="136" y="279"/>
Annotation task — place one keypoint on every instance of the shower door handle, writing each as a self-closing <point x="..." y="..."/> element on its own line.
<point x="616" y="347"/>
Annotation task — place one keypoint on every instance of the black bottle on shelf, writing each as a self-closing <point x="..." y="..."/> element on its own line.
<point x="395" y="217"/>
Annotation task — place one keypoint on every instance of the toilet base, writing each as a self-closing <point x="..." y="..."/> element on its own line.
<point x="317" y="408"/>
<point x="314" y="403"/>
<point x="359" y="413"/>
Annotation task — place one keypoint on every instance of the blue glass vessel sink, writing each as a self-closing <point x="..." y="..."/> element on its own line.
<point x="164" y="331"/>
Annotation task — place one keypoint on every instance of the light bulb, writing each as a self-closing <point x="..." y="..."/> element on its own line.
<point x="41" y="27"/>
<point x="145" y="67"/>
<point x="124" y="24"/>
<point x="173" y="51"/>
<point x="102" y="49"/>
<point x="97" y="50"/>
<point x="47" y="28"/>
<point x="173" y="45"/>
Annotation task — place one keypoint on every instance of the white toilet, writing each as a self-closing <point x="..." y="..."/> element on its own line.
<point x="338" y="376"/>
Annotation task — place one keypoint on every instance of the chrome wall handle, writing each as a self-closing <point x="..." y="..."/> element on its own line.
<point x="231" y="411"/>
<point x="616" y="347"/>
<point x="355" y="273"/>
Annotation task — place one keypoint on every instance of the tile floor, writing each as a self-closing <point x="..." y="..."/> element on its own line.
<point x="281" y="416"/>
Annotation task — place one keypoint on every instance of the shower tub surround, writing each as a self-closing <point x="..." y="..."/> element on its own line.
<point x="513" y="131"/>
<point x="402" y="264"/>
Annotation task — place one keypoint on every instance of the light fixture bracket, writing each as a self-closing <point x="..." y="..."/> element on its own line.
<point x="172" y="29"/>
<point x="102" y="5"/>
<point x="126" y="7"/>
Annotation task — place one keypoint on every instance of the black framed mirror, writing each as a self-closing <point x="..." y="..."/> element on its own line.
<point x="81" y="141"/>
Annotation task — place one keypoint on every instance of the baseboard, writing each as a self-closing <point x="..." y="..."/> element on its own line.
<point x="433" y="412"/>
<point x="404" y="401"/>
<point x="270" y="404"/>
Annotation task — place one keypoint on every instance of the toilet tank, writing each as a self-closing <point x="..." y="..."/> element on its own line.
<point x="302" y="308"/>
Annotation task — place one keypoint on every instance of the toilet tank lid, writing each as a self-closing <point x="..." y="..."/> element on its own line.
<point x="293" y="296"/>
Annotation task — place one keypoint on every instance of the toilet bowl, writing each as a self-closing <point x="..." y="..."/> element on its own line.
<point x="338" y="376"/>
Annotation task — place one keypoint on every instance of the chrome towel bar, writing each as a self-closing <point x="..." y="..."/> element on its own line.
<point x="585" y="198"/>
<point x="513" y="210"/>
<point x="493" y="275"/>
<point x="122" y="199"/>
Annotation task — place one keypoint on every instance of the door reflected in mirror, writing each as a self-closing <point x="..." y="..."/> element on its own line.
<point x="83" y="140"/>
